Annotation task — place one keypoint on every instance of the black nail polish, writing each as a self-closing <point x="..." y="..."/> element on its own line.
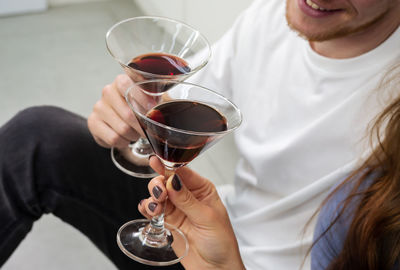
<point x="157" y="191"/>
<point x="152" y="206"/>
<point x="176" y="182"/>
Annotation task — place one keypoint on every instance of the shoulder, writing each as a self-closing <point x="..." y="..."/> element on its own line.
<point x="331" y="228"/>
<point x="246" y="42"/>
<point x="328" y="241"/>
<point x="256" y="25"/>
<point x="264" y="17"/>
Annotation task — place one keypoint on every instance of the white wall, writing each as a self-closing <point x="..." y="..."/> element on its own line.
<point x="210" y="17"/>
<point x="9" y="7"/>
<point x="63" y="2"/>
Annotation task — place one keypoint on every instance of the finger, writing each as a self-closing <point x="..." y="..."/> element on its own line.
<point x="193" y="181"/>
<point x="104" y="134"/>
<point x="134" y="76"/>
<point x="122" y="82"/>
<point x="114" y="121"/>
<point x="152" y="207"/>
<point x="142" y="209"/>
<point x="186" y="202"/>
<point x="116" y="112"/>
<point x="170" y="211"/>
<point x="136" y="96"/>
<point x="172" y="216"/>
<point x="93" y="128"/>
<point x="157" y="189"/>
<point x="101" y="142"/>
<point x="185" y="172"/>
<point x="156" y="164"/>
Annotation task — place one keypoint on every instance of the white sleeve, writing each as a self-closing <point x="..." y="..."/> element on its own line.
<point x="218" y="74"/>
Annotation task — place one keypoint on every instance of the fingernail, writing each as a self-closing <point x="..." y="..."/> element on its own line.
<point x="152" y="206"/>
<point x="176" y="182"/>
<point x="151" y="155"/>
<point x="157" y="191"/>
<point x="140" y="203"/>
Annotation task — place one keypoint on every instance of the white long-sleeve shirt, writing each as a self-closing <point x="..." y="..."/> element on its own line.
<point x="304" y="119"/>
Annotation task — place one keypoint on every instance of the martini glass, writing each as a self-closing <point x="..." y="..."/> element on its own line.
<point x="180" y="124"/>
<point x="149" y="48"/>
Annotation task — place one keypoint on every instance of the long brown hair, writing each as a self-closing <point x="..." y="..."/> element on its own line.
<point x="373" y="238"/>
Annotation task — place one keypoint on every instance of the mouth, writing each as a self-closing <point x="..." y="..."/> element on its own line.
<point x="315" y="6"/>
<point x="314" y="9"/>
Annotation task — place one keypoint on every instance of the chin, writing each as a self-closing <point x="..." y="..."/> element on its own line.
<point x="308" y="28"/>
<point x="307" y="35"/>
<point x="319" y="33"/>
<point x="345" y="25"/>
<point x="317" y="36"/>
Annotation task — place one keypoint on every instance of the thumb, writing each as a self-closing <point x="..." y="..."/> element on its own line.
<point x="185" y="201"/>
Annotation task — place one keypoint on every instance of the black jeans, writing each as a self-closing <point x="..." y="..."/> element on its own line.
<point x="49" y="163"/>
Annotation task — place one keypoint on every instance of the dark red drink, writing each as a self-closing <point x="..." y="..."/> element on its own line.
<point x="160" y="64"/>
<point x="177" y="146"/>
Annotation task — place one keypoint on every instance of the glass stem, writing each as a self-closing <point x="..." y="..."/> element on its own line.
<point x="143" y="142"/>
<point x="155" y="233"/>
<point x="141" y="147"/>
<point x="158" y="221"/>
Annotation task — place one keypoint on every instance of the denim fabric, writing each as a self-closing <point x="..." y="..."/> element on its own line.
<point x="49" y="163"/>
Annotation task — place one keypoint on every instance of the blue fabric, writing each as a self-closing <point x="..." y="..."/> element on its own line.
<point x="330" y="244"/>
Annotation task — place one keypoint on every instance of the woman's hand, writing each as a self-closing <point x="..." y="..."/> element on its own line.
<point x="196" y="209"/>
<point x="112" y="123"/>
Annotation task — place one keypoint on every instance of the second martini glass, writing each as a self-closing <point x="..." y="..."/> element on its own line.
<point x="180" y="124"/>
<point x="148" y="48"/>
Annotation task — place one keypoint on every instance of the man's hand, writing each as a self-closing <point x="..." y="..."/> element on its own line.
<point x="112" y="123"/>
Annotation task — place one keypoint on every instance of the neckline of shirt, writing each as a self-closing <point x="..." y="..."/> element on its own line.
<point x="378" y="58"/>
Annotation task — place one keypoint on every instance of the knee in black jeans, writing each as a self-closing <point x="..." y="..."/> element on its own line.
<point x="49" y="162"/>
<point x="21" y="140"/>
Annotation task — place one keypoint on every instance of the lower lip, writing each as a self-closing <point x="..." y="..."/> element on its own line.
<point x="313" y="12"/>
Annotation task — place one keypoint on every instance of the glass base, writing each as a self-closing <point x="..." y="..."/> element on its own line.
<point x="158" y="251"/>
<point x="130" y="168"/>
